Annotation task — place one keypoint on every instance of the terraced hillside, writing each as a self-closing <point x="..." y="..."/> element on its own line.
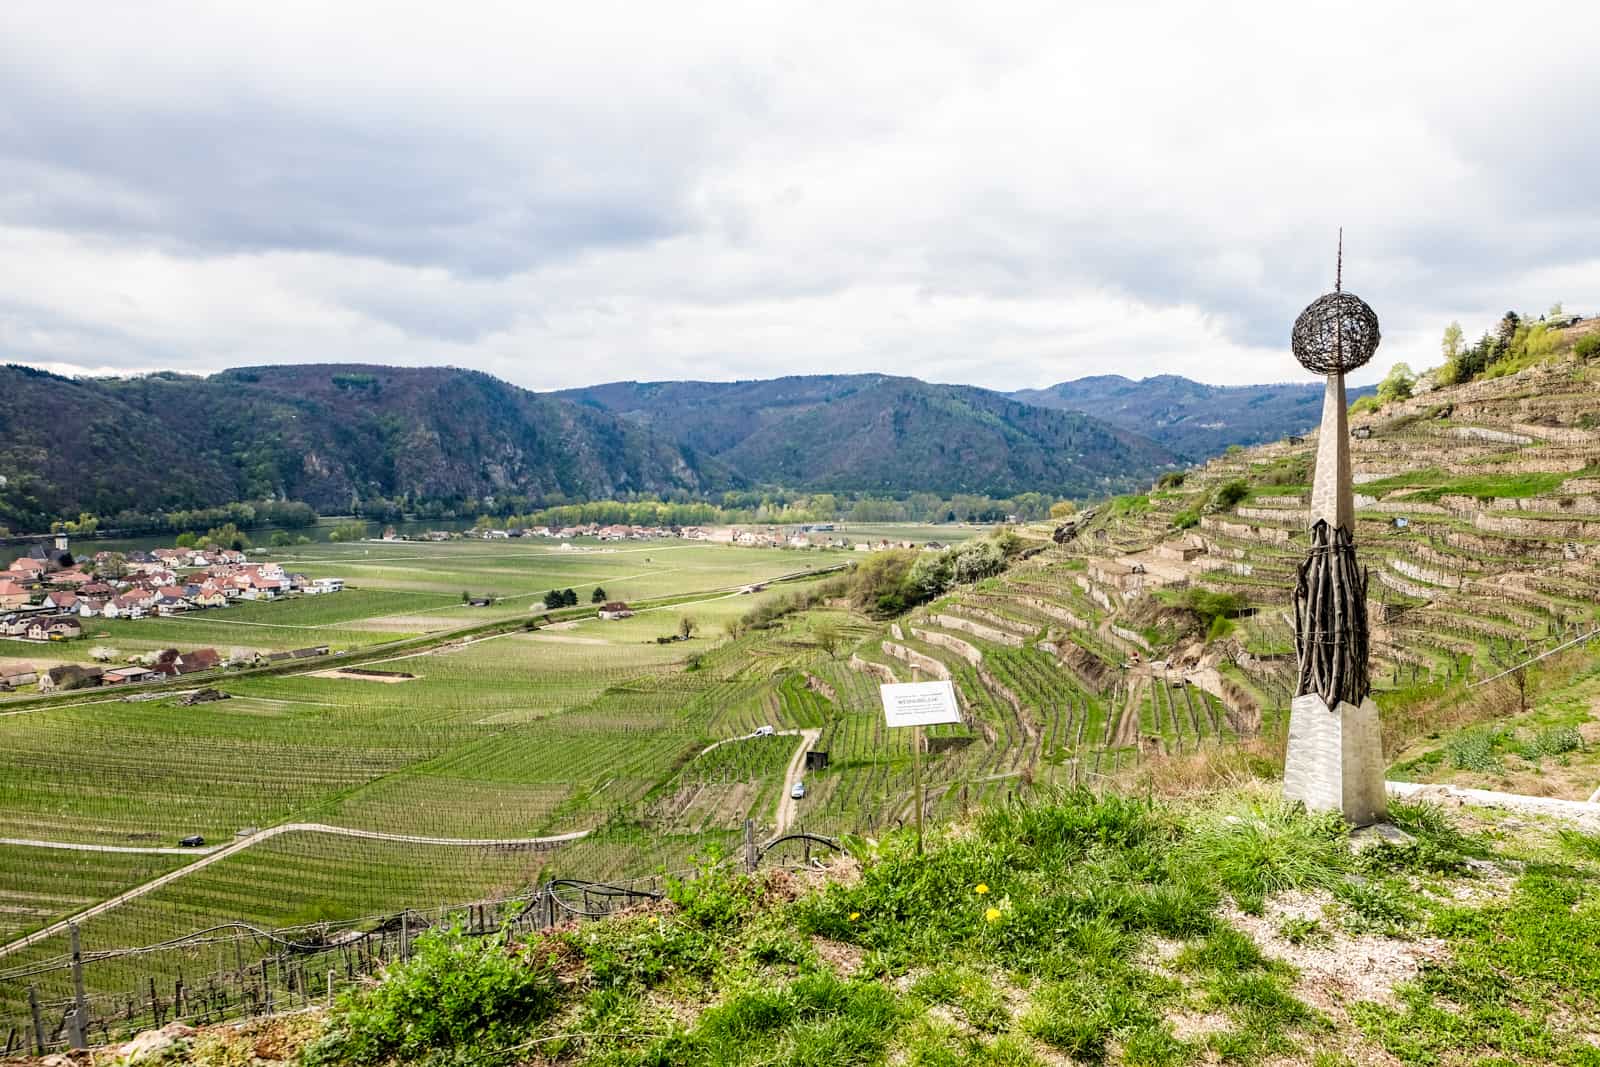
<point x="1478" y="513"/>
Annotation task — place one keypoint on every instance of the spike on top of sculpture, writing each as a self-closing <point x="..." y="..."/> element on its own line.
<point x="1336" y="334"/>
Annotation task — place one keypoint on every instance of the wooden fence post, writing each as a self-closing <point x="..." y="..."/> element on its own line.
<point x="76" y="1022"/>
<point x="38" y="1022"/>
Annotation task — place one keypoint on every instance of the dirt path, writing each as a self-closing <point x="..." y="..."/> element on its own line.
<point x="751" y="737"/>
<point x="220" y="852"/>
<point x="786" y="803"/>
<point x="1585" y="813"/>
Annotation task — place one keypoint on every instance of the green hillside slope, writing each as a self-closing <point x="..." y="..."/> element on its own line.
<point x="886" y="434"/>
<point x="1193" y="419"/>
<point x="325" y="434"/>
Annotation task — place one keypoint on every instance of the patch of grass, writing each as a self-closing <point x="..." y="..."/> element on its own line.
<point x="1490" y="486"/>
<point x="1303" y="931"/>
<point x="1267" y="846"/>
<point x="1520" y="985"/>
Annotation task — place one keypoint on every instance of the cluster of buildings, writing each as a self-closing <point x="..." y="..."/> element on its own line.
<point x="155" y="667"/>
<point x="806" y="536"/>
<point x="45" y="593"/>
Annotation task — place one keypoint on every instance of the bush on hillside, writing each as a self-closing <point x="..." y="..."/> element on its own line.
<point x="1209" y="606"/>
<point x="1229" y="493"/>
<point x="457" y="993"/>
<point x="1588" y="347"/>
<point x="893" y="582"/>
<point x="1397" y="385"/>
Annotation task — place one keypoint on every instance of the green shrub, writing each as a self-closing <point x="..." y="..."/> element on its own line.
<point x="1474" y="750"/>
<point x="1185" y="520"/>
<point x="348" y="531"/>
<point x="1553" y="741"/>
<point x="1365" y="405"/>
<point x="1210" y="606"/>
<point x="1170" y="480"/>
<point x="456" y="993"/>
<point x="1229" y="493"/>
<point x="1588" y="346"/>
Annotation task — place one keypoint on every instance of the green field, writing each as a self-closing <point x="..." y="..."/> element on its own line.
<point x="511" y="734"/>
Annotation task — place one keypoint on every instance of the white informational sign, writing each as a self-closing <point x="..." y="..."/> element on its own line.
<point x="919" y="703"/>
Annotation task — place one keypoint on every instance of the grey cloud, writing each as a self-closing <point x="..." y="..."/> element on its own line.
<point x="246" y="174"/>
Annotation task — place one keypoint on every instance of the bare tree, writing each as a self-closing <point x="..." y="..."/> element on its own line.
<point x="686" y="627"/>
<point x="1514" y="660"/>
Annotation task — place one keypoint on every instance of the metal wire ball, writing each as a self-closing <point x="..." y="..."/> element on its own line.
<point x="1335" y="333"/>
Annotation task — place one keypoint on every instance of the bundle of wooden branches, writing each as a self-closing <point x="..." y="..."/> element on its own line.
<point x="1330" y="618"/>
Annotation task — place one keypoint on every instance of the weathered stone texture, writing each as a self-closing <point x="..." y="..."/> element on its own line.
<point x="1335" y="759"/>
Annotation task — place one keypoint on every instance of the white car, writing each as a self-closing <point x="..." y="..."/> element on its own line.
<point x="763" y="731"/>
<point x="798" y="792"/>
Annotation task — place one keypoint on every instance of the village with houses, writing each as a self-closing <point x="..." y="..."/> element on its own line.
<point x="47" y="593"/>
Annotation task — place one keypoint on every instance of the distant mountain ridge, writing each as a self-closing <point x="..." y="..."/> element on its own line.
<point x="326" y="434"/>
<point x="1191" y="418"/>
<point x="880" y="433"/>
<point x="334" y="434"/>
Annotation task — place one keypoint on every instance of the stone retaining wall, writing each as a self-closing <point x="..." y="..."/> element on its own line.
<point x="967" y="652"/>
<point x="977" y="629"/>
<point x="1298" y="516"/>
<point x="1054" y="611"/>
<point x="1483" y="433"/>
<point x="1401" y="585"/>
<point x="1426" y="574"/>
<point x="1244" y="531"/>
<point x="1132" y="636"/>
<point x="1561" y="528"/>
<point x="1551" y="505"/>
<point x="912" y="657"/>
<point x="1020" y="627"/>
<point x="879" y="671"/>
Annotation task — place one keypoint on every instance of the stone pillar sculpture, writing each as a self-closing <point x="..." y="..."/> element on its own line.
<point x="1335" y="755"/>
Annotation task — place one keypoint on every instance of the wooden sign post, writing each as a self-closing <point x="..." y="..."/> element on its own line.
<point x="918" y="704"/>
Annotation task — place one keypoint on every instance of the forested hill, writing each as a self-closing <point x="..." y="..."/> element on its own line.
<point x="877" y="433"/>
<point x="324" y="434"/>
<point x="332" y="434"/>
<point x="1193" y="419"/>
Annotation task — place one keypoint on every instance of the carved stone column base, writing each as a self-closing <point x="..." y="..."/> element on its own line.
<point x="1335" y="759"/>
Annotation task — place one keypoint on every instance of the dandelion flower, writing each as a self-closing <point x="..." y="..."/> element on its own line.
<point x="854" y="915"/>
<point x="981" y="889"/>
<point x="993" y="915"/>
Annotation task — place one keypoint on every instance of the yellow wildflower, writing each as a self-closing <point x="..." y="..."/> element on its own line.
<point x="993" y="915"/>
<point x="854" y="915"/>
<point x="981" y="889"/>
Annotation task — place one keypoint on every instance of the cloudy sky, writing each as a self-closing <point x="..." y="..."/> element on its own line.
<point x="565" y="193"/>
